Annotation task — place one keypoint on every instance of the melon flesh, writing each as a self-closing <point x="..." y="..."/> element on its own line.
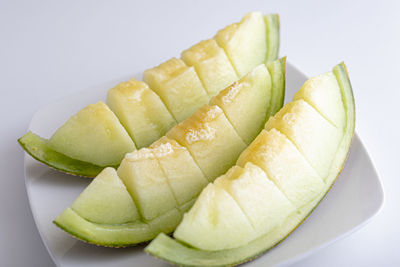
<point x="217" y="219"/>
<point x="245" y="42"/>
<point x="211" y="139"/>
<point x="178" y="86"/>
<point x="147" y="183"/>
<point x="106" y="200"/>
<point x="184" y="176"/>
<point x="141" y="111"/>
<point x="284" y="165"/>
<point x="93" y="135"/>
<point x="212" y="65"/>
<point x="312" y="134"/>
<point x="246" y="102"/>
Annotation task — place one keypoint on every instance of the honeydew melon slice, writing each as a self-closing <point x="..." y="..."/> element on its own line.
<point x="178" y="86"/>
<point x="176" y="252"/>
<point x="211" y="140"/>
<point x="93" y="135"/>
<point x="211" y="64"/>
<point x="106" y="200"/>
<point x="140" y="111"/>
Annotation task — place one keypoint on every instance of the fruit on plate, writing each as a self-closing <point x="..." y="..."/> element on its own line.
<point x="175" y="89"/>
<point x="276" y="182"/>
<point x="164" y="179"/>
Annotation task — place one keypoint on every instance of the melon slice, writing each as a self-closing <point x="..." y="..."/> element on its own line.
<point x="93" y="135"/>
<point x="141" y="111"/>
<point x="106" y="200"/>
<point x="178" y="86"/>
<point x="211" y="64"/>
<point x="179" y="253"/>
<point x="211" y="139"/>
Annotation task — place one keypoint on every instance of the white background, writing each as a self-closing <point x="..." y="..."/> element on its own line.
<point x="50" y="49"/>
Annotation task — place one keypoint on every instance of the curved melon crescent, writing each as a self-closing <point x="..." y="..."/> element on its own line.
<point x="171" y="250"/>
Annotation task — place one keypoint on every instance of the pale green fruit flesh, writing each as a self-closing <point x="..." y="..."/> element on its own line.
<point x="211" y="64"/>
<point x="211" y="139"/>
<point x="272" y="26"/>
<point x="165" y="177"/>
<point x="140" y="111"/>
<point x="254" y="89"/>
<point x="176" y="252"/>
<point x="245" y="42"/>
<point x="178" y="86"/>
<point x="106" y="195"/>
<point x="94" y="135"/>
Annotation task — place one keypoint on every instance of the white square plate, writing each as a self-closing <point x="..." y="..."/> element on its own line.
<point x="355" y="198"/>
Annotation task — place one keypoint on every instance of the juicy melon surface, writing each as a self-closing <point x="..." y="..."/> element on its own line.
<point x="93" y="135"/>
<point x="140" y="111"/>
<point x="178" y="86"/>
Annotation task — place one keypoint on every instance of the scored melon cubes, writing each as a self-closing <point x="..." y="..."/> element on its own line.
<point x="263" y="203"/>
<point x="184" y="176"/>
<point x="323" y="93"/>
<point x="178" y="86"/>
<point x="106" y="200"/>
<point x="147" y="184"/>
<point x="93" y="135"/>
<point x="246" y="102"/>
<point x="211" y="64"/>
<point x="141" y="111"/>
<point x="245" y="42"/>
<point x="215" y="222"/>
<point x="284" y="165"/>
<point x="312" y="134"/>
<point x="211" y="139"/>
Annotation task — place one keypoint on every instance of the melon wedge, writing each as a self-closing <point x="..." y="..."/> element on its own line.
<point x="180" y="253"/>
<point x="182" y="86"/>
<point x="167" y="177"/>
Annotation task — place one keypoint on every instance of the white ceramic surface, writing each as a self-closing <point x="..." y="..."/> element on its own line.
<point x="355" y="198"/>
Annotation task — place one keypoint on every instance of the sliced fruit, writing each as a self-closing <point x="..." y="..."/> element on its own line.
<point x="277" y="69"/>
<point x="312" y="134"/>
<point x="218" y="219"/>
<point x="147" y="184"/>
<point x="178" y="86"/>
<point x="211" y="139"/>
<point x="93" y="135"/>
<point x="211" y="64"/>
<point x="272" y="25"/>
<point x="253" y="92"/>
<point x="183" y="175"/>
<point x="140" y="111"/>
<point x="179" y="253"/>
<point x="106" y="200"/>
<point x="245" y="42"/>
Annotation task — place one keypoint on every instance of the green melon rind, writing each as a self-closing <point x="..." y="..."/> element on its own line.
<point x="277" y="69"/>
<point x="273" y="39"/>
<point x="175" y="252"/>
<point x="39" y="149"/>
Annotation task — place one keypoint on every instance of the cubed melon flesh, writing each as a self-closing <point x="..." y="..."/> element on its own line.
<point x="93" y="135"/>
<point x="313" y="135"/>
<point x="323" y="93"/>
<point x="184" y="176"/>
<point x="212" y="65"/>
<point x="178" y="86"/>
<point x="140" y="111"/>
<point x="106" y="200"/>
<point x="245" y="42"/>
<point x="284" y="165"/>
<point x="215" y="222"/>
<point x="147" y="184"/>
<point x="246" y="102"/>
<point x="211" y="139"/>
<point x="259" y="198"/>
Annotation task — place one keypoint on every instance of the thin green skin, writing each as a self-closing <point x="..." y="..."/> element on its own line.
<point x="175" y="252"/>
<point x="277" y="69"/>
<point x="38" y="148"/>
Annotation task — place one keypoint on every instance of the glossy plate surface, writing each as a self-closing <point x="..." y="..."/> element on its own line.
<point x="353" y="200"/>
